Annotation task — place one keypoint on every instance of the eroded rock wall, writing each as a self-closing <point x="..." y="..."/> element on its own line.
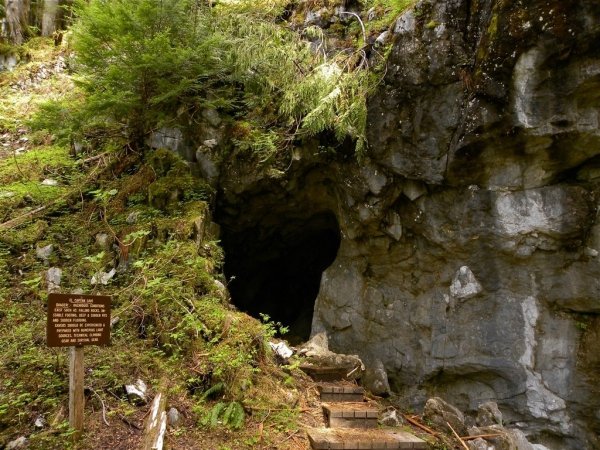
<point x="469" y="261"/>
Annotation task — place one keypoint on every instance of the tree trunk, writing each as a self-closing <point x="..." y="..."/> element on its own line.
<point x="50" y="17"/>
<point x="17" y="13"/>
<point x="36" y="13"/>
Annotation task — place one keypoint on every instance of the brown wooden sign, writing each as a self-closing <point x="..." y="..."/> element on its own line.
<point x="75" y="320"/>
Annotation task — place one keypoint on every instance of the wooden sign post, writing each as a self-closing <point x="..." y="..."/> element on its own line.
<point x="74" y="321"/>
<point x="76" y="397"/>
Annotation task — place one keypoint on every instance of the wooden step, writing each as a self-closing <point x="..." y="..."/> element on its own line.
<point x="338" y="392"/>
<point x="324" y="373"/>
<point x="350" y="415"/>
<point x="330" y="438"/>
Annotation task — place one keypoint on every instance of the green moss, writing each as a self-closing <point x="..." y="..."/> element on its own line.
<point x="174" y="183"/>
<point x="37" y="163"/>
<point x="37" y="192"/>
<point x="169" y="306"/>
<point x="6" y="49"/>
<point x="165" y="193"/>
<point x="493" y="27"/>
<point x="19" y="198"/>
<point x="163" y="161"/>
<point x="28" y="235"/>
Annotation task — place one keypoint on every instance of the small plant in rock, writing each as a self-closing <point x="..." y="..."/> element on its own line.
<point x="272" y="329"/>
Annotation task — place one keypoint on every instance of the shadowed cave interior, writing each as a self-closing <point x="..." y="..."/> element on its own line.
<point x="274" y="267"/>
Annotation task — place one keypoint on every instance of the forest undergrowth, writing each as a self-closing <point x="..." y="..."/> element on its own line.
<point x="174" y="328"/>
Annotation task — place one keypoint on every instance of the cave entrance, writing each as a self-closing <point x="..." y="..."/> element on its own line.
<point x="274" y="266"/>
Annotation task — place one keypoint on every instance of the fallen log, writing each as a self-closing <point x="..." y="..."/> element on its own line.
<point x="20" y="220"/>
<point x="156" y="424"/>
<point x="23" y="218"/>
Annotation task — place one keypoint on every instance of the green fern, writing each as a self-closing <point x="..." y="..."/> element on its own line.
<point x="213" y="391"/>
<point x="234" y="416"/>
<point x="212" y="417"/>
<point x="230" y="414"/>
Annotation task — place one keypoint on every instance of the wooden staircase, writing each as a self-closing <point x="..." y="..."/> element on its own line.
<point x="352" y="423"/>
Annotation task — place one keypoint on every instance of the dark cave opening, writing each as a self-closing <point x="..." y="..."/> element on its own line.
<point x="274" y="267"/>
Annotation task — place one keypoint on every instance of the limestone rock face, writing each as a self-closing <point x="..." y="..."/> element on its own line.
<point x="478" y="444"/>
<point x="468" y="263"/>
<point x="375" y="378"/>
<point x="489" y="292"/>
<point x="504" y="439"/>
<point x="442" y="413"/>
<point x="489" y="414"/>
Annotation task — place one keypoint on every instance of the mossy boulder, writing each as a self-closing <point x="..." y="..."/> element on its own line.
<point x="174" y="181"/>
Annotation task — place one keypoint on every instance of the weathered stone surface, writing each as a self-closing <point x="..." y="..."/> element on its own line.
<point x="53" y="279"/>
<point x="318" y="355"/>
<point x="20" y="442"/>
<point x="212" y="117"/>
<point x="281" y="350"/>
<point x="464" y="284"/>
<point x="442" y="413"/>
<point x="221" y="289"/>
<point x="136" y="393"/>
<point x="484" y="154"/>
<point x="479" y="444"/>
<point x="103" y="277"/>
<point x="389" y="418"/>
<point x="502" y="438"/>
<point x="375" y="378"/>
<point x="383" y="38"/>
<point x="103" y="241"/>
<point x="206" y="164"/>
<point x="495" y="114"/>
<point x="44" y="253"/>
<point x="40" y="422"/>
<point x="489" y="414"/>
<point x="173" y="417"/>
<point x="171" y="138"/>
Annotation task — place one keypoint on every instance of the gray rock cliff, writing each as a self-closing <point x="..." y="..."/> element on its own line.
<point x="492" y="289"/>
<point x="468" y="265"/>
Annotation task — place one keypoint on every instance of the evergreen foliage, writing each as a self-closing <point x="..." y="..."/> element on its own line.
<point x="139" y="59"/>
<point x="311" y="92"/>
<point x="141" y="63"/>
<point x="394" y="6"/>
